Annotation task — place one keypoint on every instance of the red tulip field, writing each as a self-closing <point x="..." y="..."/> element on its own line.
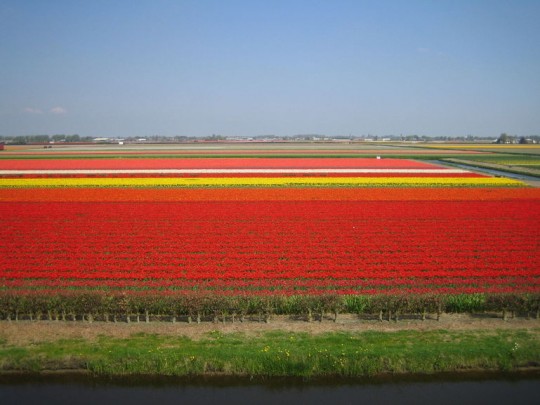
<point x="178" y="237"/>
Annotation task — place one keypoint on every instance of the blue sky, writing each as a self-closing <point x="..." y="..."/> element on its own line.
<point x="138" y="68"/>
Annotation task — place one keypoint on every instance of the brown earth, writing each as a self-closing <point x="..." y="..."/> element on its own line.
<point x="26" y="332"/>
<point x="533" y="183"/>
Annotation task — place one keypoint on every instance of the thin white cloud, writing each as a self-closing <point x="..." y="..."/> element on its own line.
<point x="422" y="50"/>
<point x="58" y="110"/>
<point x="31" y="110"/>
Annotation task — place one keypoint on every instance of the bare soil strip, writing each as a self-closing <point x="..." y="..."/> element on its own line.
<point x="26" y="332"/>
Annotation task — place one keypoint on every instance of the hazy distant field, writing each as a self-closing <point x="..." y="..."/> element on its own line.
<point x="532" y="149"/>
<point x="333" y="149"/>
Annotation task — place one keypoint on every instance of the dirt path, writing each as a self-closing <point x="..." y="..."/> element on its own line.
<point x="533" y="183"/>
<point x="26" y="332"/>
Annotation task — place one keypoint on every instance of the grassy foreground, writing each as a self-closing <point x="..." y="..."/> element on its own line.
<point x="279" y="353"/>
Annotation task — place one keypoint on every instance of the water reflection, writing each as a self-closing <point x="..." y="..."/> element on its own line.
<point x="160" y="392"/>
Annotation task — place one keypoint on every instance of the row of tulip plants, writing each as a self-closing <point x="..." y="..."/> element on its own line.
<point x="197" y="307"/>
<point x="214" y="182"/>
<point x="349" y="244"/>
<point x="105" y="163"/>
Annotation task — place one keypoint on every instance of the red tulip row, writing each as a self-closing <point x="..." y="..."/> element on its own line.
<point x="284" y="173"/>
<point x="264" y="247"/>
<point x="211" y="163"/>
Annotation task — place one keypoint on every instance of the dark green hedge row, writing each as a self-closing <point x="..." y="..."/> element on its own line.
<point x="93" y="305"/>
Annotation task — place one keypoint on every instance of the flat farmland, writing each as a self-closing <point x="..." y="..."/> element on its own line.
<point x="175" y="237"/>
<point x="203" y="259"/>
<point x="237" y="149"/>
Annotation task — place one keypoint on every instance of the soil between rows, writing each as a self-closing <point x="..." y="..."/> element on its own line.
<point x="23" y="333"/>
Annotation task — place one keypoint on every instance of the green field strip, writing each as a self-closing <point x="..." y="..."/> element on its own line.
<point x="280" y="353"/>
<point x="528" y="171"/>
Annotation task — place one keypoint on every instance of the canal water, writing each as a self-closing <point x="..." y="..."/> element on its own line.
<point x="89" y="391"/>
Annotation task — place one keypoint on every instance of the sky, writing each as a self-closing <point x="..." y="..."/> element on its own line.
<point x="254" y="67"/>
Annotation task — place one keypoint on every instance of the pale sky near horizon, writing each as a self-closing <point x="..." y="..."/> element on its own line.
<point x="336" y="67"/>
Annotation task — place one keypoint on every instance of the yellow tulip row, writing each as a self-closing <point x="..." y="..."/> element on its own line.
<point x="183" y="182"/>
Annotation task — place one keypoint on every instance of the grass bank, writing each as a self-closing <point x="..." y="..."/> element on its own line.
<point x="516" y="169"/>
<point x="279" y="353"/>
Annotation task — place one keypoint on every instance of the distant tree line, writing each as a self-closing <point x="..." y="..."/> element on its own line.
<point x="505" y="138"/>
<point x="26" y="139"/>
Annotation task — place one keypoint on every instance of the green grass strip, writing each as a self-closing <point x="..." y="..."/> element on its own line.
<point x="280" y="353"/>
<point x="533" y="171"/>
